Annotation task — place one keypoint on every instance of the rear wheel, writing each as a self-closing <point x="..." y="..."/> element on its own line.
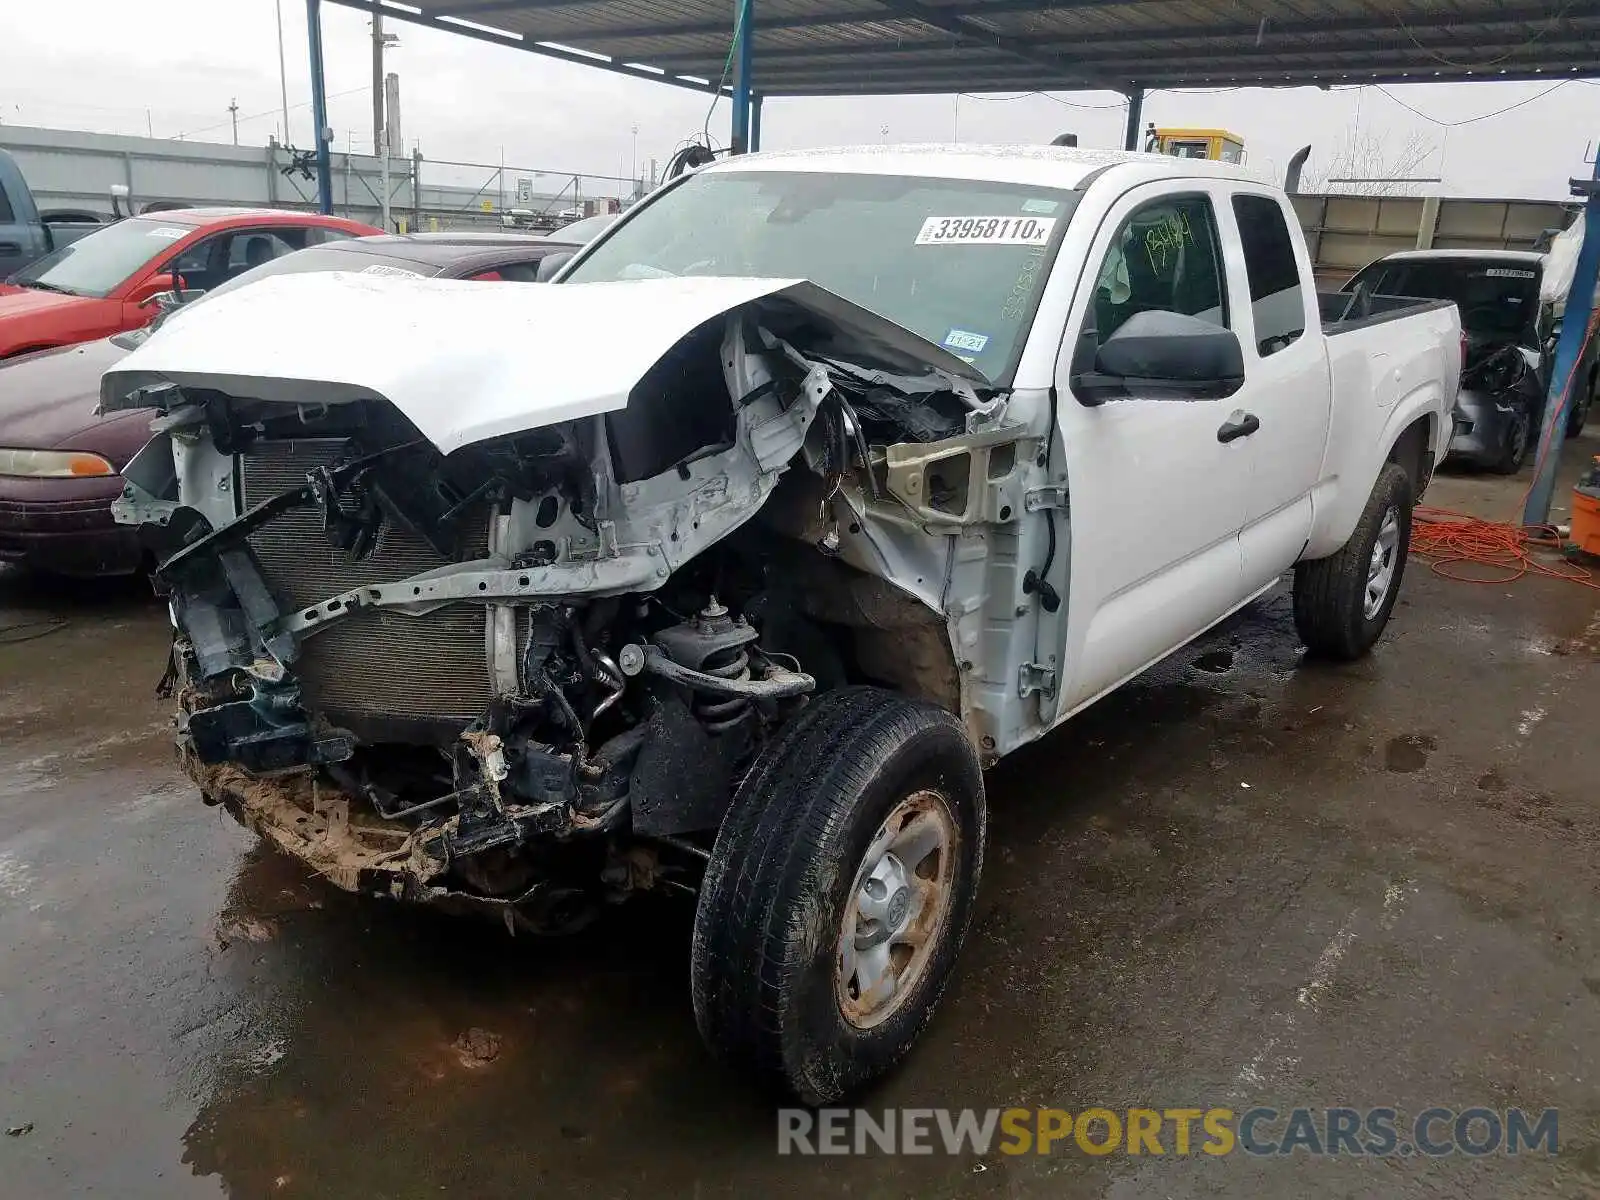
<point x="1514" y="444"/>
<point x="838" y="893"/>
<point x="1342" y="603"/>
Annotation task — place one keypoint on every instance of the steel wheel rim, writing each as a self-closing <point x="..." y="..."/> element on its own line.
<point x="898" y="903"/>
<point x="1381" y="567"/>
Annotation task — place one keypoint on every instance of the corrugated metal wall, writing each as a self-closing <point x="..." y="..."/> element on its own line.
<point x="1345" y="233"/>
<point x="71" y="169"/>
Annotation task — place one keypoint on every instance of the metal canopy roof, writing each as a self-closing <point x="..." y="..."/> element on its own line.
<point x="866" y="47"/>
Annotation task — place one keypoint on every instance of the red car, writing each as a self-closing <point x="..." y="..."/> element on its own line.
<point x="108" y="282"/>
<point x="59" y="461"/>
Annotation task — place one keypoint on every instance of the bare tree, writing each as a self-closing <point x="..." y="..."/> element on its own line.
<point x="1369" y="165"/>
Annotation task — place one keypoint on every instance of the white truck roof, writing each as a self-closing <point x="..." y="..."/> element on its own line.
<point x="1044" y="166"/>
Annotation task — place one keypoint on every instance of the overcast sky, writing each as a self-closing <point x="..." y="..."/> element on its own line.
<point x="174" y="65"/>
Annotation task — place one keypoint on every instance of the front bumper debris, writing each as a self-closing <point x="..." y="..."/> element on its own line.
<point x="314" y="822"/>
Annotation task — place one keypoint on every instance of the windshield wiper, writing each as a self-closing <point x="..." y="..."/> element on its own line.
<point x="40" y="285"/>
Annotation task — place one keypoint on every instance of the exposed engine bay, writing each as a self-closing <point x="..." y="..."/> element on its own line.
<point x="525" y="675"/>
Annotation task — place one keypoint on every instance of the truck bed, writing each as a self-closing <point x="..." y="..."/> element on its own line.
<point x="1344" y="311"/>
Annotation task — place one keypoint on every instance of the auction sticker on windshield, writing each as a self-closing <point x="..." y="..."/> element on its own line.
<point x="986" y="231"/>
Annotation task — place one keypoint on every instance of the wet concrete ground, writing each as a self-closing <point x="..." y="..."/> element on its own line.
<point x="1241" y="880"/>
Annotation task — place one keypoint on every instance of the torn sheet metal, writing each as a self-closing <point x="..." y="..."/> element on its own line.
<point x="465" y="363"/>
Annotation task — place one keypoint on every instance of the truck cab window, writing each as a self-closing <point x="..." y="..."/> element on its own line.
<point x="1165" y="258"/>
<point x="1277" y="296"/>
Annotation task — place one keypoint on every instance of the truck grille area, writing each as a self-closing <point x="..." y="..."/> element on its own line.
<point x="374" y="664"/>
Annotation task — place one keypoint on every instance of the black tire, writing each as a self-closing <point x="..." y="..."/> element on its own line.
<point x="1520" y="433"/>
<point x="782" y="880"/>
<point x="1579" y="416"/>
<point x="1330" y="593"/>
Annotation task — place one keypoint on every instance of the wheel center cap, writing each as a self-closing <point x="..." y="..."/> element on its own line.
<point x="899" y="906"/>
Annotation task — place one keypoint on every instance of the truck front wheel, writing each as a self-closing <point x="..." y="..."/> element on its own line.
<point x="838" y="893"/>
<point x="1342" y="603"/>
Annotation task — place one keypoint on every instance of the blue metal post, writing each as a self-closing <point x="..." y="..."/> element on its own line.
<point x="1574" y="324"/>
<point x="755" y="122"/>
<point x="319" y="106"/>
<point x="744" y="36"/>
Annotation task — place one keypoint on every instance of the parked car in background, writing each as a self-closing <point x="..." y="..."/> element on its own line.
<point x="59" y="460"/>
<point x="585" y="229"/>
<point x="114" y="278"/>
<point x="684" y="574"/>
<point x="1506" y="348"/>
<point x="26" y="233"/>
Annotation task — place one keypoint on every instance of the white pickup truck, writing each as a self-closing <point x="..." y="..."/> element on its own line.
<point x="723" y="565"/>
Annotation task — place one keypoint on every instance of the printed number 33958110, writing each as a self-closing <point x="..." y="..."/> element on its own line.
<point x="986" y="231"/>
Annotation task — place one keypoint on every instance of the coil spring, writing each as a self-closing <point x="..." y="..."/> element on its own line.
<point x="721" y="713"/>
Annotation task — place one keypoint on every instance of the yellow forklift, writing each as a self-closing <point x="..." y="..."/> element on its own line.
<point x="1218" y="145"/>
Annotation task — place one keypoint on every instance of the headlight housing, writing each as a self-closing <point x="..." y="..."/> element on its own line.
<point x="54" y="464"/>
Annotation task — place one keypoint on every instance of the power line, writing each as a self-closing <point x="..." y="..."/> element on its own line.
<point x="1026" y="95"/>
<point x="271" y="112"/>
<point x="1473" y="120"/>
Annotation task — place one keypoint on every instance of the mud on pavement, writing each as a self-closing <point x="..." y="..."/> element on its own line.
<point x="1242" y="881"/>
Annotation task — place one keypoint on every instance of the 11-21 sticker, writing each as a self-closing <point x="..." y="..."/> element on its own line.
<point x="986" y="231"/>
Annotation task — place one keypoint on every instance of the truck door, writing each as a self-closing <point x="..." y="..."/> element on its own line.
<point x="1156" y="485"/>
<point x="1288" y="388"/>
<point x="20" y="241"/>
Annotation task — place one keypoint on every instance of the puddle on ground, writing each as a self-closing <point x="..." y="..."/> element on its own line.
<point x="1214" y="662"/>
<point x="1408" y="752"/>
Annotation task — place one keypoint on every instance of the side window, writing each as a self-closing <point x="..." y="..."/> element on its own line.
<point x="254" y="247"/>
<point x="1165" y="258"/>
<point x="6" y="215"/>
<point x="1277" y="293"/>
<point x="317" y="236"/>
<point x="196" y="260"/>
<point x="518" y="272"/>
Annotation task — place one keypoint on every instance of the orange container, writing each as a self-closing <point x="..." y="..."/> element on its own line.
<point x="1586" y="511"/>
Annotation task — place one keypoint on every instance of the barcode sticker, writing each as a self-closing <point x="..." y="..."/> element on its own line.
<point x="986" y="231"/>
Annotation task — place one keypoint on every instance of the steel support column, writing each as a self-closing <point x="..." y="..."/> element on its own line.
<point x="1130" y="136"/>
<point x="755" y="122"/>
<point x="319" y="106"/>
<point x="1574" y="325"/>
<point x="743" y="39"/>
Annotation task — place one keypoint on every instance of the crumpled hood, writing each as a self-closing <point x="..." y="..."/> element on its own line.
<point x="470" y="361"/>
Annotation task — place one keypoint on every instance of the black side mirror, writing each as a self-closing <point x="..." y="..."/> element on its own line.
<point x="1164" y="355"/>
<point x="550" y="264"/>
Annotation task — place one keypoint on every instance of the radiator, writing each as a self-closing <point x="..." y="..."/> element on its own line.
<point x="375" y="663"/>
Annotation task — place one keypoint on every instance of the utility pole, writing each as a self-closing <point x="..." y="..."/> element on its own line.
<point x="233" y="111"/>
<point x="283" y="75"/>
<point x="377" y="81"/>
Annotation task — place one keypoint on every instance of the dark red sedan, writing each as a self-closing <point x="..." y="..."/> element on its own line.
<point x="59" y="461"/>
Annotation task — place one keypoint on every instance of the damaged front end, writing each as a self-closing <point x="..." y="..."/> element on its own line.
<point x="443" y="652"/>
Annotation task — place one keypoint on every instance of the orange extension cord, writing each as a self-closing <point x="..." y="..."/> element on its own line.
<point x="1497" y="551"/>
